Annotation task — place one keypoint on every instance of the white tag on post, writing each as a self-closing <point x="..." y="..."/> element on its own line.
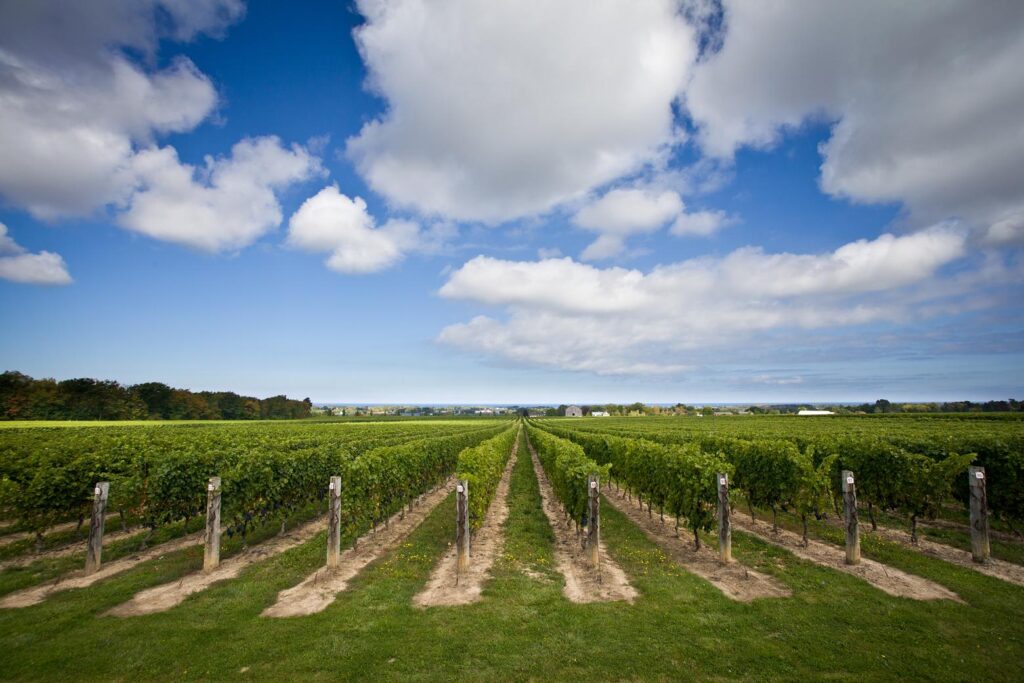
<point x="330" y="486"/>
<point x="849" y="480"/>
<point x="459" y="488"/>
<point x="593" y="484"/>
<point x="97" y="491"/>
<point x="210" y="487"/>
<point x="722" y="481"/>
<point x="979" y="475"/>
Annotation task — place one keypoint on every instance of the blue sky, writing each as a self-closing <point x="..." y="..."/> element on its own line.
<point x="408" y="201"/>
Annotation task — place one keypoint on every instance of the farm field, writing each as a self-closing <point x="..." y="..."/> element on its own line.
<point x="664" y="622"/>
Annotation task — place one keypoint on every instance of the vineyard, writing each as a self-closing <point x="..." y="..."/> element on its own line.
<point x="672" y="548"/>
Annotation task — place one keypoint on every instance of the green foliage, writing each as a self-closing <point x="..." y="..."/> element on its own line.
<point x="159" y="474"/>
<point x="568" y="468"/>
<point x="679" y="478"/>
<point x="877" y="448"/>
<point x="482" y="466"/>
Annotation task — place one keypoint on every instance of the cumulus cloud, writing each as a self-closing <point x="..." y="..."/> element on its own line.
<point x="226" y="204"/>
<point x="700" y="223"/>
<point x="17" y="265"/>
<point x="629" y="211"/>
<point x="623" y="212"/>
<point x="574" y="316"/>
<point x="332" y="222"/>
<point x="75" y="108"/>
<point x="925" y="98"/>
<point x="540" y="102"/>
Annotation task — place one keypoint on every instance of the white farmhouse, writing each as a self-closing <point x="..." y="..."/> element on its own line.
<point x="574" y="411"/>
<point x="815" y="412"/>
<point x="599" y="413"/>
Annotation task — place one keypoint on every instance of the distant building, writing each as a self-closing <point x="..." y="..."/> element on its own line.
<point x="600" y="413"/>
<point x="574" y="411"/>
<point x="815" y="412"/>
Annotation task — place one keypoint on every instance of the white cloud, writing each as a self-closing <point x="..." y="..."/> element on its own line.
<point x="505" y="109"/>
<point x="700" y="223"/>
<point x="623" y="212"/>
<point x="926" y="99"/>
<point x="16" y="265"/>
<point x="332" y="222"/>
<point x="629" y="211"/>
<point x="226" y="204"/>
<point x="574" y="316"/>
<point x="75" y="108"/>
<point x="1006" y="232"/>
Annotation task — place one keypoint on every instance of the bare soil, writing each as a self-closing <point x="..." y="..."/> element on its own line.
<point x="889" y="579"/>
<point x="1006" y="571"/>
<point x="69" y="549"/>
<point x="320" y="588"/>
<point x="8" y="539"/>
<point x="965" y="528"/>
<point x="734" y="580"/>
<point x="583" y="583"/>
<point x="162" y="598"/>
<point x="36" y="594"/>
<point x="446" y="586"/>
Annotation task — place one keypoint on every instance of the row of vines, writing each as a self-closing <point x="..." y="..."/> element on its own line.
<point x="797" y="475"/>
<point x="568" y="469"/>
<point x="482" y="467"/>
<point x="158" y="475"/>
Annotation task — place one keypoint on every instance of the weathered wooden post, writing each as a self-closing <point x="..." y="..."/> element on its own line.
<point x="850" y="509"/>
<point x="980" y="551"/>
<point x="211" y="549"/>
<point x="334" y="522"/>
<point x="462" y="524"/>
<point x="593" y="519"/>
<point x="96" y="522"/>
<point x="724" y="525"/>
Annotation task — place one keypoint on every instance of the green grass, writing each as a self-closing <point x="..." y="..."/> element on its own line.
<point x="835" y="627"/>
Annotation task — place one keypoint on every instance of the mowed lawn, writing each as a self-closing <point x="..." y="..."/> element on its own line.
<point x="835" y="627"/>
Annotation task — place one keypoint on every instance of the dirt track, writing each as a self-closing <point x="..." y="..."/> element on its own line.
<point x="446" y="586"/>
<point x="733" y="579"/>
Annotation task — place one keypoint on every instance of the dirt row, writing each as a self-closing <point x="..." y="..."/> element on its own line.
<point x="321" y="587"/>
<point x="734" y="580"/>
<point x="14" y="537"/>
<point x="446" y="585"/>
<point x="69" y="549"/>
<point x="1006" y="571"/>
<point x="583" y="583"/>
<point x="36" y="594"/>
<point x="889" y="579"/>
<point x="168" y="595"/>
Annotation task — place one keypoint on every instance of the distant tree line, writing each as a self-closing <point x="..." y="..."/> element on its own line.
<point x="881" y="406"/>
<point x="25" y="398"/>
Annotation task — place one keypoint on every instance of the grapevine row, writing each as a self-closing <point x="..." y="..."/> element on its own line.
<point x="482" y="466"/>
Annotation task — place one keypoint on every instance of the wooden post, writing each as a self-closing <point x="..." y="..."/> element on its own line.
<point x="724" y="525"/>
<point x="979" y="515"/>
<point x="211" y="549"/>
<point x="334" y="522"/>
<point x="850" y="508"/>
<point x="99" y="516"/>
<point x="593" y="519"/>
<point x="462" y="524"/>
